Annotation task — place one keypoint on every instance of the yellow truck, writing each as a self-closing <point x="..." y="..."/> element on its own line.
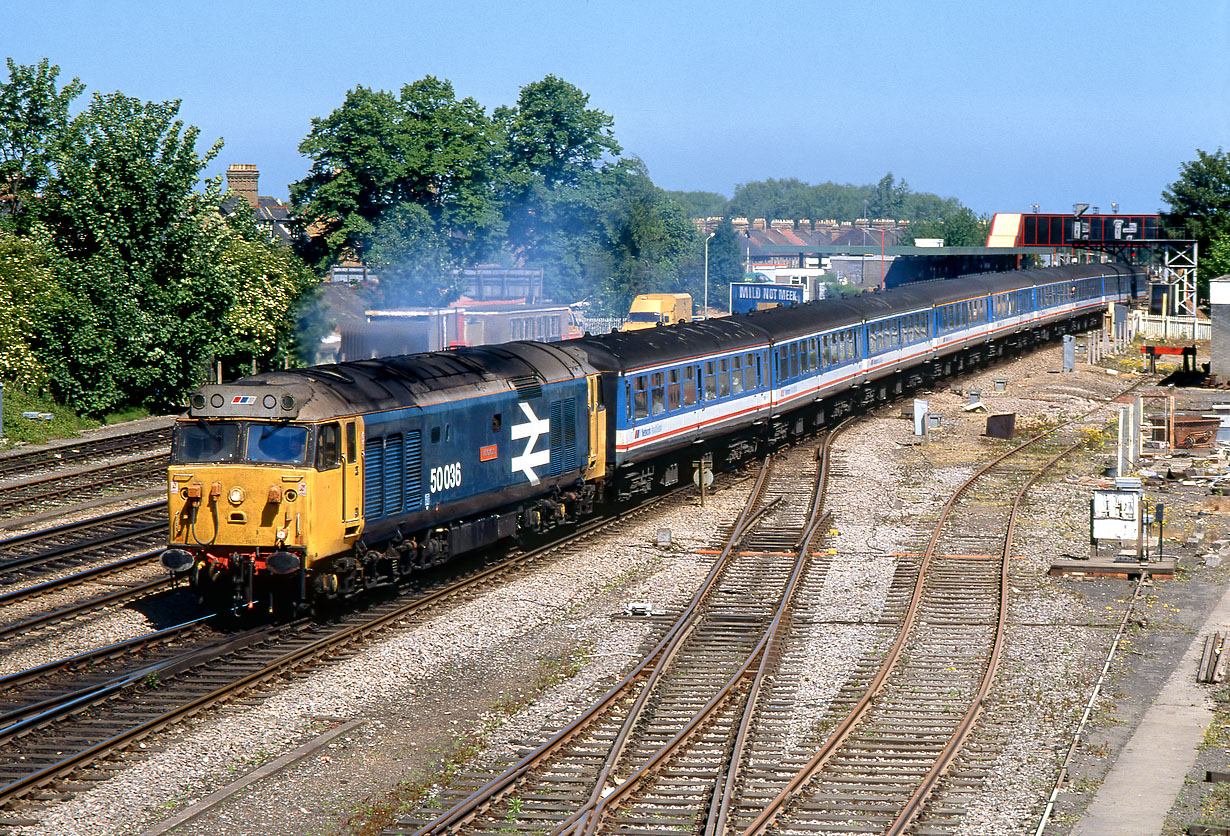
<point x="651" y="309"/>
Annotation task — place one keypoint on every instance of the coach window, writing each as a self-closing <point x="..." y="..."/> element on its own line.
<point x="723" y="377"/>
<point x="736" y="374"/>
<point x="710" y="381"/>
<point x="689" y="386"/>
<point x="673" y="399"/>
<point x="640" y="405"/>
<point x="813" y="354"/>
<point x="657" y="393"/>
<point x="749" y="372"/>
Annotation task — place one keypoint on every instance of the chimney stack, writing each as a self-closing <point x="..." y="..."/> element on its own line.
<point x="241" y="179"/>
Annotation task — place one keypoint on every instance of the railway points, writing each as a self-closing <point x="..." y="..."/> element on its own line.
<point x="1038" y="395"/>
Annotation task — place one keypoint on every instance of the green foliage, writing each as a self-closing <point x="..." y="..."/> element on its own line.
<point x="421" y="164"/>
<point x="122" y="281"/>
<point x="792" y="199"/>
<point x="701" y="204"/>
<point x="1199" y="204"/>
<point x="552" y="136"/>
<point x="18" y="429"/>
<point x="27" y="288"/>
<point x="888" y="198"/>
<point x="959" y="228"/>
<point x="1215" y="261"/>
<point x="559" y="176"/>
<point x="1199" y="200"/>
<point x="725" y="264"/>
<point x="646" y="238"/>
<point x="33" y="120"/>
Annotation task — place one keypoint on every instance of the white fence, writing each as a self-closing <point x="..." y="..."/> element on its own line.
<point x="1171" y="327"/>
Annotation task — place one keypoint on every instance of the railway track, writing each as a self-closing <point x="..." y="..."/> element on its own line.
<point x="28" y="494"/>
<point x="27" y="557"/>
<point x="84" y="451"/>
<point x="63" y="727"/>
<point x="34" y="566"/>
<point x="653" y="751"/>
<point x="716" y="754"/>
<point x="902" y="722"/>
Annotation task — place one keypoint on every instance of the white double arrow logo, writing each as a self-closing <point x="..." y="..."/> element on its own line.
<point x="531" y="430"/>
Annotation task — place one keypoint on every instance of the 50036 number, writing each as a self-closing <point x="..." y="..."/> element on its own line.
<point x="446" y="477"/>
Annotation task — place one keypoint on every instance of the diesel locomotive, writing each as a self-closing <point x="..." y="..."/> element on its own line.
<point x="292" y="487"/>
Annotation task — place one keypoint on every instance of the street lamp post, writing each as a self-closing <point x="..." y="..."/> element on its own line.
<point x="706" y="305"/>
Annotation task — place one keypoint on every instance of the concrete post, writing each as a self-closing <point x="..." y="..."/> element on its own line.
<point x="1219" y="319"/>
<point x="1120" y="448"/>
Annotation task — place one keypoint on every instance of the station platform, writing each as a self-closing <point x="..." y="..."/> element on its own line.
<point x="1109" y="567"/>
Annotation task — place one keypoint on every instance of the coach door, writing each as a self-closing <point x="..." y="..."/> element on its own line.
<point x="352" y="479"/>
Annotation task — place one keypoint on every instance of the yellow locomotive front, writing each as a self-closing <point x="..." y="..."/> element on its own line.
<point x="259" y="498"/>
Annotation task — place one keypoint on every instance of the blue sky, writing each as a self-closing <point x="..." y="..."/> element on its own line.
<point x="999" y="105"/>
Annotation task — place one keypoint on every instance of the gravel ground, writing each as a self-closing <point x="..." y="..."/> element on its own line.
<point x="423" y="688"/>
<point x="114" y="624"/>
<point x="418" y="691"/>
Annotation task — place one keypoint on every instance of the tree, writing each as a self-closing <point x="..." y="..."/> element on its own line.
<point x="269" y="295"/>
<point x="152" y="280"/>
<point x="725" y="263"/>
<point x="28" y="288"/>
<point x="1215" y="261"/>
<point x="422" y="162"/>
<point x="553" y="136"/>
<point x="1199" y="204"/>
<point x="646" y="237"/>
<point x="33" y="120"/>
<point x="557" y="177"/>
<point x="1200" y="199"/>
<point x="889" y="198"/>
<point x="959" y="228"/>
<point x="701" y="204"/>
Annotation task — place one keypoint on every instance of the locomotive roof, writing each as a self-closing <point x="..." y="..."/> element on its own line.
<point x="320" y="392"/>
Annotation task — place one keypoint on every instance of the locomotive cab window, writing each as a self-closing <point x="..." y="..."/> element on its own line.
<point x="352" y="443"/>
<point x="328" y="442"/>
<point x="435" y="435"/>
<point x="279" y="443"/>
<point x="497" y="421"/>
<point x="205" y="441"/>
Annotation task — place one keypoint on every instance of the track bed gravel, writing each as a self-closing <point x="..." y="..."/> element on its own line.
<point x="558" y="633"/>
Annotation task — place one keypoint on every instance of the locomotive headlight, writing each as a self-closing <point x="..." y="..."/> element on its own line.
<point x="235" y="496"/>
